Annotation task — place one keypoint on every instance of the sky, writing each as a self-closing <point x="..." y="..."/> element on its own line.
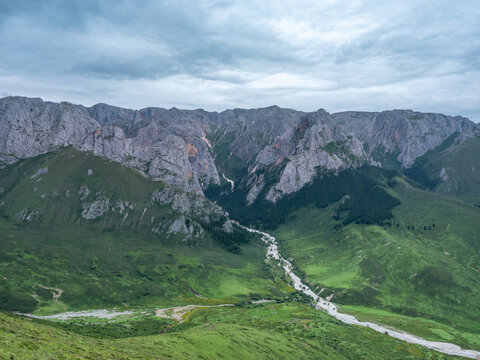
<point x="301" y="54"/>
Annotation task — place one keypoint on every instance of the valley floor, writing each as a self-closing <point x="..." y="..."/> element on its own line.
<point x="260" y="331"/>
<point x="182" y="313"/>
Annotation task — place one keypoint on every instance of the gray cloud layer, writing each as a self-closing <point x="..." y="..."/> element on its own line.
<point x="336" y="54"/>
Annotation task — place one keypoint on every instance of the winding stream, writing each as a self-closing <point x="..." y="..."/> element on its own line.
<point x="320" y="303"/>
<point x="331" y="308"/>
<point x="230" y="181"/>
<point x="100" y="314"/>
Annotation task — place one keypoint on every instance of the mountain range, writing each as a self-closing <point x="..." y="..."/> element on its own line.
<point x="193" y="149"/>
<point x="109" y="207"/>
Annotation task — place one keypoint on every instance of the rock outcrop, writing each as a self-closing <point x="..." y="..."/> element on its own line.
<point x="95" y="209"/>
<point x="193" y="211"/>
<point x="188" y="204"/>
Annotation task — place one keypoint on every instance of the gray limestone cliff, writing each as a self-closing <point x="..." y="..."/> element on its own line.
<point x="405" y="133"/>
<point x="169" y="148"/>
<point x="268" y="152"/>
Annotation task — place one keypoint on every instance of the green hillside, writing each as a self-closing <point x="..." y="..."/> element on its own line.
<point x="53" y="259"/>
<point x="423" y="263"/>
<point x="268" y="331"/>
<point x="453" y="171"/>
<point x="386" y="251"/>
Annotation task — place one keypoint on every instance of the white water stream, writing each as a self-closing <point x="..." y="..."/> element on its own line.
<point x="320" y="303"/>
<point x="332" y="310"/>
<point x="230" y="181"/>
<point x="100" y="314"/>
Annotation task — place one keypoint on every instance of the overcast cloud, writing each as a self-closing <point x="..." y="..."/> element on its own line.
<point x="335" y="54"/>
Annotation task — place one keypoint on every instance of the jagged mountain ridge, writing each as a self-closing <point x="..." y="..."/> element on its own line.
<point x="194" y="149"/>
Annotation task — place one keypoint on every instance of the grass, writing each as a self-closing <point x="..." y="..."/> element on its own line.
<point x="116" y="278"/>
<point x="425" y="328"/>
<point x="420" y="271"/>
<point x="461" y="167"/>
<point x="430" y="274"/>
<point x="271" y="331"/>
<point x="126" y="328"/>
<point x="110" y="261"/>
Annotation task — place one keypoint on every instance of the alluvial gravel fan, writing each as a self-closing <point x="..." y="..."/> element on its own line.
<point x="138" y="233"/>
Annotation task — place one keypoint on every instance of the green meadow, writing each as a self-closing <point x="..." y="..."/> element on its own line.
<point x="386" y="251"/>
<point x="423" y="265"/>
<point x="266" y="331"/>
<point x="113" y="260"/>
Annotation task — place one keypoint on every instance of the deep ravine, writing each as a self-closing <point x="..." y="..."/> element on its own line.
<point x="331" y="308"/>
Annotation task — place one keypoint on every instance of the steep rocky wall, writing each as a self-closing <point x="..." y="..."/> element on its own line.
<point x="189" y="149"/>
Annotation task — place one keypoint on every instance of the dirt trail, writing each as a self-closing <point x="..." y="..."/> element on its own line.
<point x="56" y="293"/>
<point x="141" y="218"/>
<point x="178" y="311"/>
<point x="123" y="220"/>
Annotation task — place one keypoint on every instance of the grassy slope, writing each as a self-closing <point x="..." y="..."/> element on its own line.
<point x="427" y="273"/>
<point x="278" y="331"/>
<point x="462" y="166"/>
<point x="104" y="262"/>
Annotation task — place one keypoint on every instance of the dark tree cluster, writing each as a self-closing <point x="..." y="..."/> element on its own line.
<point x="229" y="241"/>
<point x="419" y="228"/>
<point x="365" y="199"/>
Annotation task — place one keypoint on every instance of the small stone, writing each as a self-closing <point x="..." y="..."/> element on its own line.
<point x="39" y="172"/>
<point x="89" y="172"/>
<point x="83" y="192"/>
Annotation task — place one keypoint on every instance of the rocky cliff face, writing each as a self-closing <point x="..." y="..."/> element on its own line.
<point x="311" y="143"/>
<point x="278" y="151"/>
<point x="29" y="127"/>
<point x="270" y="151"/>
<point x="405" y="133"/>
<point x="164" y="145"/>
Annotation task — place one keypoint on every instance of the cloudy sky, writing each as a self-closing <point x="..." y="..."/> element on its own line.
<point x="332" y="54"/>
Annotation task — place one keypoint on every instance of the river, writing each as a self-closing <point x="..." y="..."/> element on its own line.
<point x="320" y="304"/>
<point x="331" y="308"/>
